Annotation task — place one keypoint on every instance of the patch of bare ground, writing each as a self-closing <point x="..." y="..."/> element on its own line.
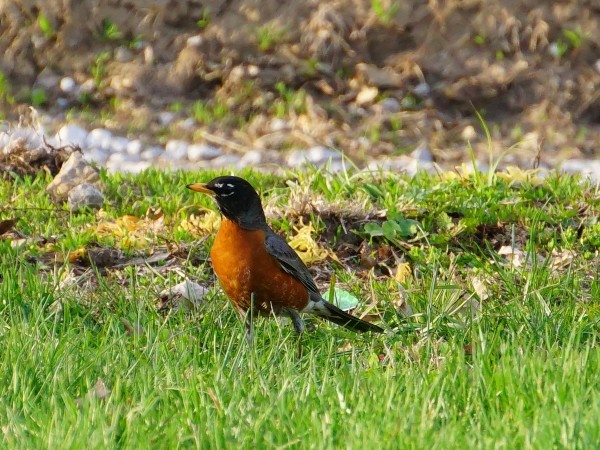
<point x="369" y="78"/>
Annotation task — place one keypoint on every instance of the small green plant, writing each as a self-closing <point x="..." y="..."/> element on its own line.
<point x="176" y="107"/>
<point x="395" y="229"/>
<point x="479" y="40"/>
<point x="204" y="20"/>
<point x="383" y="13"/>
<point x="46" y="26"/>
<point x="5" y="90"/>
<point x="289" y="100"/>
<point x="206" y="113"/>
<point x="110" y="31"/>
<point x="571" y="39"/>
<point x="38" y="97"/>
<point x="269" y="36"/>
<point x="98" y="68"/>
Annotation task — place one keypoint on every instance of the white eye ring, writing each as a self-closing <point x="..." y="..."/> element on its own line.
<point x="226" y="195"/>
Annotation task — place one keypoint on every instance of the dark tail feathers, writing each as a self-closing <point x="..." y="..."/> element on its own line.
<point x="339" y="317"/>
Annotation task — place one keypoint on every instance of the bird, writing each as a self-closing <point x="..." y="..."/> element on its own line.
<point x="260" y="273"/>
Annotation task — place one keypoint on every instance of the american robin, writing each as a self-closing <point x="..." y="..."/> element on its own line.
<point x="259" y="271"/>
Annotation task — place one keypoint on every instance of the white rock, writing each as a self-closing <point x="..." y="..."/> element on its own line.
<point x="225" y="161"/>
<point x="118" y="144"/>
<point x="72" y="134"/>
<point x="194" y="41"/>
<point x="390" y="105"/>
<point x="278" y="125"/>
<point x="134" y="166"/>
<point x="135" y="147"/>
<point x="4" y="139"/>
<point x="85" y="195"/>
<point x="122" y="157"/>
<point x="422" y="154"/>
<point x="30" y="137"/>
<point x="123" y="54"/>
<point x="95" y="154"/>
<point x="251" y="158"/>
<point x="68" y="85"/>
<point x="590" y="169"/>
<point x="422" y="90"/>
<point x="177" y="149"/>
<point x="321" y="154"/>
<point x="151" y="153"/>
<point x="73" y="172"/>
<point x="99" y="137"/>
<point x="198" y="152"/>
<point x="188" y="124"/>
<point x="316" y="155"/>
<point x="186" y="295"/>
<point x="468" y="133"/>
<point x="166" y="118"/>
<point x="88" y="86"/>
<point x="62" y="102"/>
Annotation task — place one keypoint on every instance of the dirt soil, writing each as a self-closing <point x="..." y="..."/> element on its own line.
<point x="370" y="77"/>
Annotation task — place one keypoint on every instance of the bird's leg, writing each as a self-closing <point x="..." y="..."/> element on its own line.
<point x="298" y="326"/>
<point x="249" y="321"/>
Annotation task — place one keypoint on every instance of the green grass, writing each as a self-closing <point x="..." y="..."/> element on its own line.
<point x="521" y="369"/>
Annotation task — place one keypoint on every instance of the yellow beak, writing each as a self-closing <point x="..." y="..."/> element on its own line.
<point x="201" y="187"/>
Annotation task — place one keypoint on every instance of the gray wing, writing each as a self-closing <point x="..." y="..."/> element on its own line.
<point x="290" y="262"/>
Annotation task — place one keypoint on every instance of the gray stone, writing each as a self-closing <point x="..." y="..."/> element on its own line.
<point x="390" y="105"/>
<point x="118" y="144"/>
<point x="99" y="137"/>
<point x="188" y="124"/>
<point x="316" y="155"/>
<point x="422" y="153"/>
<point x="166" y="118"/>
<point x="423" y="90"/>
<point x="84" y="195"/>
<point x="74" y="172"/>
<point x="251" y="158"/>
<point x="72" y="135"/>
<point x="68" y="85"/>
<point x="225" y="161"/>
<point x="151" y="153"/>
<point x="4" y="139"/>
<point x="135" y="147"/>
<point x="133" y="166"/>
<point x="27" y="137"/>
<point x="203" y="152"/>
<point x="123" y="55"/>
<point x="96" y="154"/>
<point x="586" y="168"/>
<point x="177" y="149"/>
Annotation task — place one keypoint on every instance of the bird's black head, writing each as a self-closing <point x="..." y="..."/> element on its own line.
<point x="237" y="200"/>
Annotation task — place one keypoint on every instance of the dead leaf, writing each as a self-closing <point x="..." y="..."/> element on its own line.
<point x="6" y="225"/>
<point x="99" y="391"/>
<point x="366" y="95"/>
<point x="306" y="247"/>
<point x="202" y="225"/>
<point x="560" y="260"/>
<point x="130" y="231"/>
<point x="130" y="329"/>
<point x="401" y="304"/>
<point x="480" y="288"/>
<point x="403" y="272"/>
<point x="187" y="295"/>
<point x="513" y="255"/>
<point x="516" y="175"/>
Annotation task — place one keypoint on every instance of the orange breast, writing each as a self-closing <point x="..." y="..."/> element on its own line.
<point x="244" y="266"/>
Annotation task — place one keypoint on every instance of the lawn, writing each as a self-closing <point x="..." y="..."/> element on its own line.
<point x="488" y="286"/>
